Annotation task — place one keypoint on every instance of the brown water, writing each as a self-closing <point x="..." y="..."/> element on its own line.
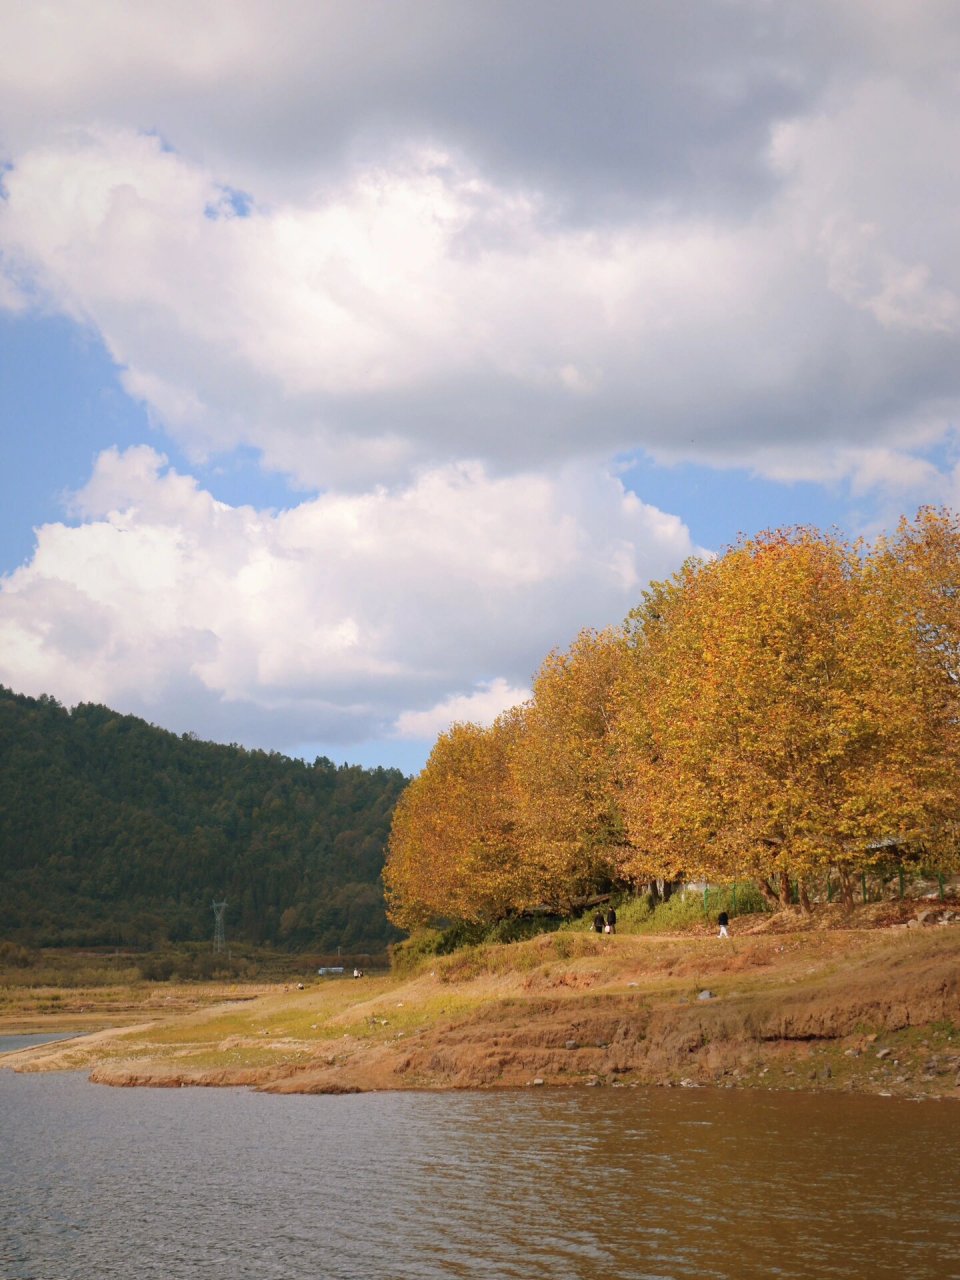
<point x="600" y="1183"/>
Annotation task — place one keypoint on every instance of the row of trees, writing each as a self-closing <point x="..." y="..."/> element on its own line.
<point x="786" y="711"/>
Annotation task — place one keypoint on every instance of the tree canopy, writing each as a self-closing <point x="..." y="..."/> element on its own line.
<point x="782" y="712"/>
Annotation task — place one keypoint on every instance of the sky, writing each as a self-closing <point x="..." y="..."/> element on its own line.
<point x="354" y="356"/>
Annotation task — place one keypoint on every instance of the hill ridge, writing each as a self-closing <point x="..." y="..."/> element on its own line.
<point x="114" y="831"/>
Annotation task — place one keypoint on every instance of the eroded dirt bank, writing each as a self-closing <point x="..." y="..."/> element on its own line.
<point x="867" y="1009"/>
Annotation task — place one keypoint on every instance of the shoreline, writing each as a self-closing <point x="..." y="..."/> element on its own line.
<point x="869" y="1010"/>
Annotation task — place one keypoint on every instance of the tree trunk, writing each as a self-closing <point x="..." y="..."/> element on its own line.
<point x="767" y="893"/>
<point x="786" y="896"/>
<point x="664" y="889"/>
<point x="846" y="889"/>
<point x="804" y="898"/>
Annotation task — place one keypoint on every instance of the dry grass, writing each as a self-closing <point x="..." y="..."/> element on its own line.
<point x="493" y="1014"/>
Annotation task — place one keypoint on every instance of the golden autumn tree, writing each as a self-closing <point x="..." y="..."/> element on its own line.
<point x="658" y="845"/>
<point x="452" y="852"/>
<point x="770" y="728"/>
<point x="568" y="821"/>
<point x="790" y="708"/>
<point x="913" y="580"/>
<point x="918" y="571"/>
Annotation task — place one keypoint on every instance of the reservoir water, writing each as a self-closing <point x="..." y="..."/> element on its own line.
<point x="99" y="1183"/>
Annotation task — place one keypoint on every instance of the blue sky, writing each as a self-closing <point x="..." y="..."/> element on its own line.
<point x="352" y="358"/>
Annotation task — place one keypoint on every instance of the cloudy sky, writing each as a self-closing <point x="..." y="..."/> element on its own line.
<point x="353" y="355"/>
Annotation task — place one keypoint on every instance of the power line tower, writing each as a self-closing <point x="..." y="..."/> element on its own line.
<point x="219" y="934"/>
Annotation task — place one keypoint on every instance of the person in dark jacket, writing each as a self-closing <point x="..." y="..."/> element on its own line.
<point x="611" y="921"/>
<point x="723" y="920"/>
<point x="598" y="922"/>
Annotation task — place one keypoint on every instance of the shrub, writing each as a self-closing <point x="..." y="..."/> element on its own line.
<point x="689" y="908"/>
<point x="408" y="955"/>
<point x="424" y="944"/>
<point x="519" y="928"/>
<point x="158" y="968"/>
<point x="17" y="957"/>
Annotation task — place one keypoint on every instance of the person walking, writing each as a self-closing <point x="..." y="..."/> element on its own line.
<point x="598" y="922"/>
<point x="723" y="920"/>
<point x="611" y="921"/>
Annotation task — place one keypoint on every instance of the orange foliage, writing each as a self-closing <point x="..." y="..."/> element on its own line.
<point x="568" y="819"/>
<point x="452" y="853"/>
<point x="789" y="707"/>
<point x="785" y="721"/>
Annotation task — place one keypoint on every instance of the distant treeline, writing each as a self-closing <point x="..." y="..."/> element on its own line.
<point x="115" y="832"/>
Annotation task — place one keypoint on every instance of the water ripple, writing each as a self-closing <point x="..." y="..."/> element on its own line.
<point x="611" y="1185"/>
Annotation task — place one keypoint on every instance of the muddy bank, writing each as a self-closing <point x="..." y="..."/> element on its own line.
<point x="872" y="1009"/>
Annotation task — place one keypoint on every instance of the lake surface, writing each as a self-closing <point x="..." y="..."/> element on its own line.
<point x="602" y="1183"/>
<point x="9" y="1043"/>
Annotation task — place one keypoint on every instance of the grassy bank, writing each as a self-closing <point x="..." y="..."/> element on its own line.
<point x="786" y="1003"/>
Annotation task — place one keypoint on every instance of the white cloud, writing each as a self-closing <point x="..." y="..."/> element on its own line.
<point x="853" y="175"/>
<point x="415" y="311"/>
<point x="276" y="90"/>
<point x="898" y="474"/>
<point x="481" y="706"/>
<point x="331" y="621"/>
<point x="376" y="245"/>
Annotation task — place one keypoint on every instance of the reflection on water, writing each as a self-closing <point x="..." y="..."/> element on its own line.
<point x="596" y="1183"/>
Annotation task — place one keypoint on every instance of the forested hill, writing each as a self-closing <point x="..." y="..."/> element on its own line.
<point x="115" y="832"/>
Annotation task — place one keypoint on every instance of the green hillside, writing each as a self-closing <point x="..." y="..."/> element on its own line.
<point x="115" y="832"/>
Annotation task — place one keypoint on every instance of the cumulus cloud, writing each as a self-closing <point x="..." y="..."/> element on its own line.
<point x="617" y="101"/>
<point x="445" y="265"/>
<point x="482" y="706"/>
<point x="339" y="619"/>
<point x="419" y="314"/>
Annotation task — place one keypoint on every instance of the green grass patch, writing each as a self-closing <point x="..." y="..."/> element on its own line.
<point x="688" y="909"/>
<point x="424" y="945"/>
<point x="241" y="1058"/>
<point x="403" y="1017"/>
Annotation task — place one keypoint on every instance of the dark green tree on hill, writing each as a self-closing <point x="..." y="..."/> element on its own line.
<point x="115" y="832"/>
